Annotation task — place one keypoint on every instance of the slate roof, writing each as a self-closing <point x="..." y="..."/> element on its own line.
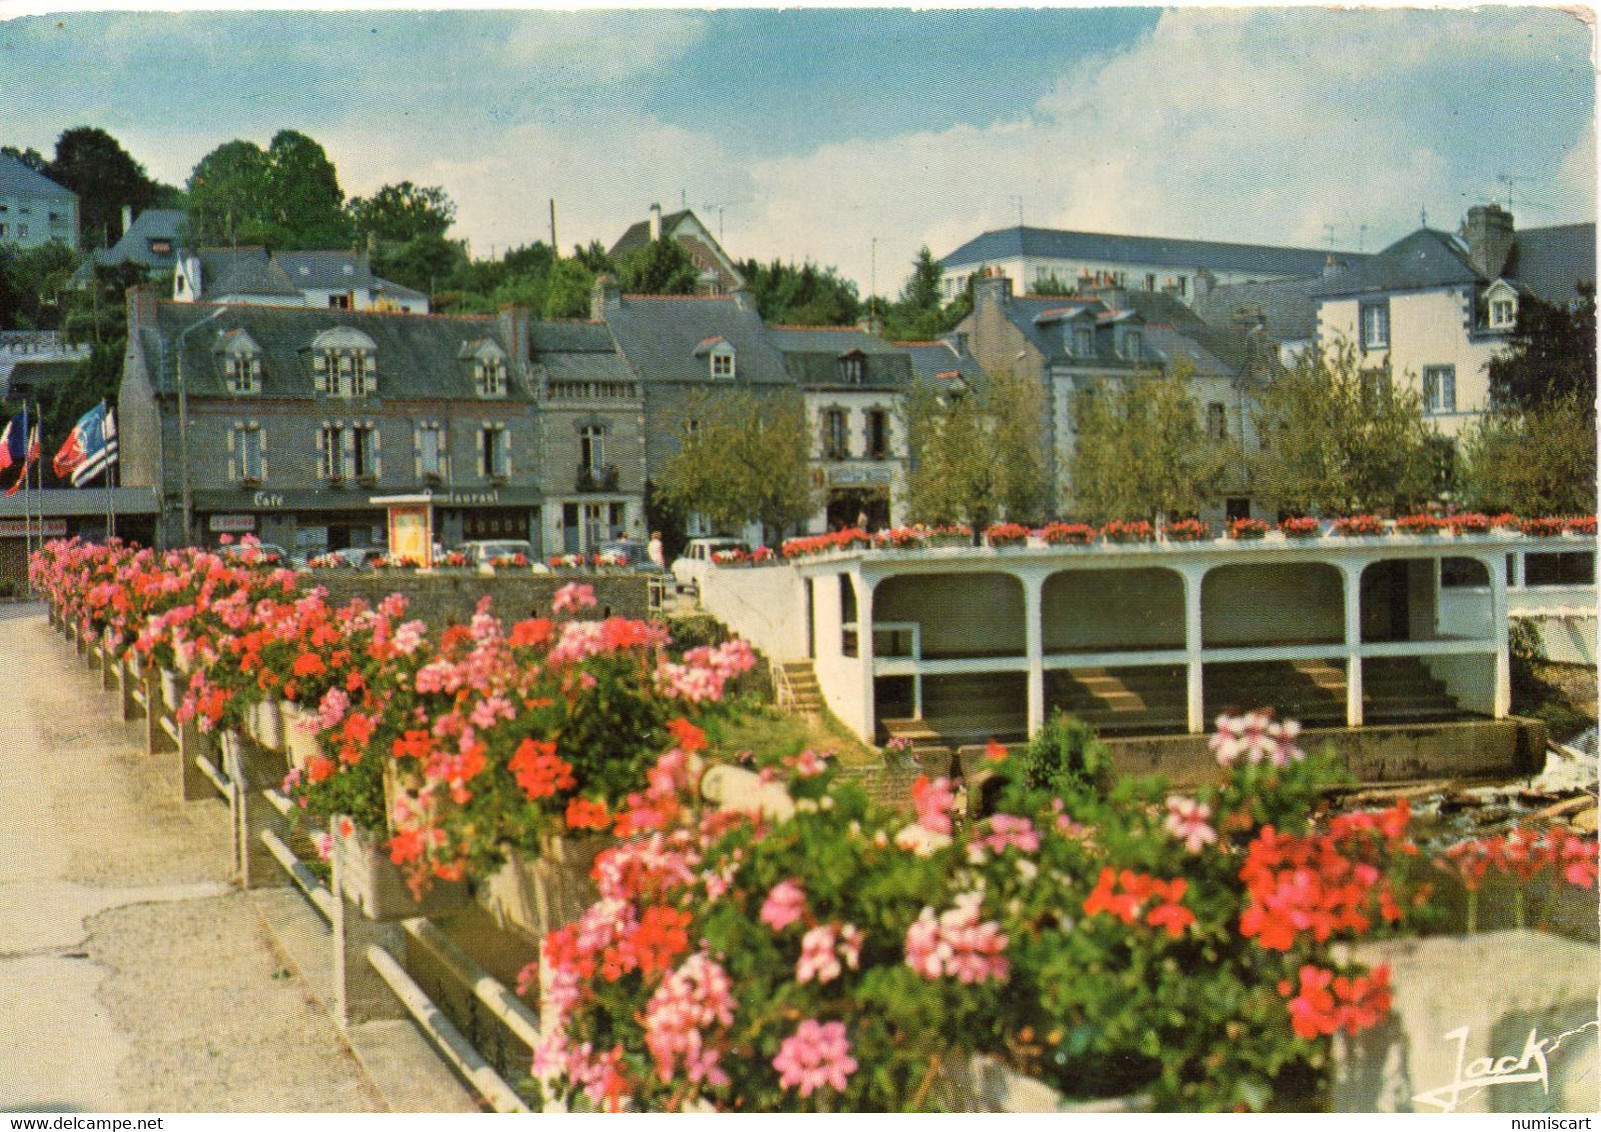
<point x="1551" y="261"/>
<point x="325" y="270"/>
<point x="931" y="361"/>
<point x="152" y="224"/>
<point x="1285" y="306"/>
<point x="812" y="355"/>
<point x="17" y="180"/>
<point x="242" y="271"/>
<point x="418" y="356"/>
<point x="1172" y="326"/>
<point x="1426" y="258"/>
<point x="1033" y="315"/>
<point x="1053" y="243"/>
<point x="660" y="334"/>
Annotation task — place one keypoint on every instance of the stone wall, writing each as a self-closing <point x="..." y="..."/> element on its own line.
<point x="450" y="597"/>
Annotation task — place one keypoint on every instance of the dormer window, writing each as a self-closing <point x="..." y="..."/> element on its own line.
<point x="241" y="362"/>
<point x="344" y="363"/>
<point x="1082" y="341"/>
<point x="1501" y="306"/>
<point x="851" y="368"/>
<point x="723" y="364"/>
<point x="1133" y="344"/>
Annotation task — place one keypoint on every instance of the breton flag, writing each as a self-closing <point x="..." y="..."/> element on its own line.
<point x="28" y="461"/>
<point x="14" y="441"/>
<point x="90" y="448"/>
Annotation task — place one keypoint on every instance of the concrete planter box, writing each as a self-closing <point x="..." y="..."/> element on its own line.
<point x="173" y="687"/>
<point x="536" y="895"/>
<point x="370" y="880"/>
<point x="982" y="1084"/>
<point x="265" y="722"/>
<point x="299" y="733"/>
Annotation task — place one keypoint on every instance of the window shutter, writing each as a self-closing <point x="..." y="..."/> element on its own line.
<point x="483" y="433"/>
<point x="504" y="440"/>
<point x="372" y="372"/>
<point x="261" y="447"/>
<point x="377" y="451"/>
<point x="233" y="463"/>
<point x="322" y="449"/>
<point x="416" y="453"/>
<point x="319" y="367"/>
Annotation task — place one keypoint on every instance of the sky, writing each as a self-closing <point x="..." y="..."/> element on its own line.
<point x="853" y="137"/>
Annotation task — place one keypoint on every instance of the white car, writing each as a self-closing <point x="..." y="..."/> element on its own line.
<point x="691" y="567"/>
<point x="479" y="553"/>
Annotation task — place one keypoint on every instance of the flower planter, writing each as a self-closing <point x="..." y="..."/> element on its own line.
<point x="370" y="880"/>
<point x="300" y="735"/>
<point x="982" y="1084"/>
<point x="537" y="894"/>
<point x="266" y="723"/>
<point x="173" y="687"/>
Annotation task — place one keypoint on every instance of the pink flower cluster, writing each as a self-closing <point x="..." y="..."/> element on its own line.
<point x="785" y="904"/>
<point x="934" y="800"/>
<point x="817" y="1054"/>
<point x="1009" y="832"/>
<point x="706" y="671"/>
<point x="822" y="950"/>
<point x="694" y="998"/>
<point x="957" y="943"/>
<point x="1187" y="821"/>
<point x="1257" y="737"/>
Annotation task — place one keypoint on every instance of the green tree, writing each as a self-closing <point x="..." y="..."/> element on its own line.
<point x="30" y="157"/>
<point x="746" y="460"/>
<point x="661" y="267"/>
<point x="93" y="164"/>
<point x="1142" y="451"/>
<point x="284" y="197"/>
<point x="594" y="257"/>
<point x="1535" y="461"/>
<point x="1550" y="354"/>
<point x="1338" y="439"/>
<point x="801" y="296"/>
<point x="568" y="291"/>
<point x="426" y="263"/>
<point x="403" y="212"/>
<point x="32" y="281"/>
<point x="978" y="454"/>
<point x="918" y="314"/>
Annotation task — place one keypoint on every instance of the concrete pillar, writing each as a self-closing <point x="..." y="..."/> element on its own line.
<point x="360" y="994"/>
<point x="252" y="813"/>
<point x="864" y="652"/>
<point x="156" y="737"/>
<point x="1034" y="648"/>
<point x="1351" y="575"/>
<point x="1501" y="628"/>
<point x="127" y="684"/>
<point x="1194" y="687"/>
<point x="192" y="744"/>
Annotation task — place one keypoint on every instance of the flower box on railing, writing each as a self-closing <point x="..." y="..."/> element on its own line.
<point x="1583" y="525"/>
<point x="1422" y="525"/>
<point x="1187" y="530"/>
<point x="1242" y="529"/>
<point x="1358" y="526"/>
<point x="899" y="538"/>
<point x="1067" y="534"/>
<point x="1468" y="523"/>
<point x="1299" y="527"/>
<point x="1542" y="527"/>
<point x="378" y="887"/>
<point x="264" y="722"/>
<point x="537" y="894"/>
<point x="1123" y="530"/>
<point x="1007" y="534"/>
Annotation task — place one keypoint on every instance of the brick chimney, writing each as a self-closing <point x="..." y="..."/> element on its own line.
<point x="655" y="222"/>
<point x="995" y="289"/>
<point x="1488" y="232"/>
<point x="142" y="303"/>
<point x="606" y="296"/>
<point x="514" y="321"/>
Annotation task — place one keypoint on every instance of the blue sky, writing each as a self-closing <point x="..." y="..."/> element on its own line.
<point x="825" y="133"/>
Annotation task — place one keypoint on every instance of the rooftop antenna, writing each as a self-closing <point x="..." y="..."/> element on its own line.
<point x="1018" y="201"/>
<point x="683" y="199"/>
<point x="1328" y="230"/>
<point x="708" y="207"/>
<point x="872" y="302"/>
<point x="1361" y="238"/>
<point x="1423" y="216"/>
<point x="1510" y="181"/>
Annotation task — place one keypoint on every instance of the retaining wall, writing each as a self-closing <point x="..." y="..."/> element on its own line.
<point x="450" y="598"/>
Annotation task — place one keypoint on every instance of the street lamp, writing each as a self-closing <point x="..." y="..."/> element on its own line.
<point x="183" y="427"/>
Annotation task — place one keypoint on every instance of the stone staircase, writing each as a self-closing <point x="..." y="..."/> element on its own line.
<point x="804" y="696"/>
<point x="1121" y="701"/>
<point x="1394" y="690"/>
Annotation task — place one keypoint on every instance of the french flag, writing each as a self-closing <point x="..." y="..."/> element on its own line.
<point x="28" y="462"/>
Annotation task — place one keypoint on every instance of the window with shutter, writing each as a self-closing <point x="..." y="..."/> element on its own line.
<point x="233" y="464"/>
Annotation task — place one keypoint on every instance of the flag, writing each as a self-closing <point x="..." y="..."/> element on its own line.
<point x="13" y="442"/>
<point x="90" y="448"/>
<point x="28" y="461"/>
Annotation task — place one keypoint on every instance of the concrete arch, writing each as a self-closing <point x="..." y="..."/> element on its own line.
<point x="962" y="615"/>
<point x="1112" y="610"/>
<point x="1268" y="603"/>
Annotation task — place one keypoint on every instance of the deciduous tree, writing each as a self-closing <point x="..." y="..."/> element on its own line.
<point x="1142" y="451"/>
<point x="1550" y="354"/>
<point x="1535" y="461"/>
<point x="1338" y="439"/>
<point x="744" y="458"/>
<point x="93" y="164"/>
<point x="978" y="453"/>
<point x="661" y="267"/>
<point x="403" y="212"/>
<point x="284" y="197"/>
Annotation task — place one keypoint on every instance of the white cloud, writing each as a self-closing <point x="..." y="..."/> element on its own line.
<point x="1257" y="126"/>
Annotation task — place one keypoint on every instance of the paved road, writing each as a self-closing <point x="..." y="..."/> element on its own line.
<point x="133" y="977"/>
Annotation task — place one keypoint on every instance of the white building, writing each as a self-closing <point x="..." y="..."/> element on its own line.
<point x="34" y="210"/>
<point x="334" y="280"/>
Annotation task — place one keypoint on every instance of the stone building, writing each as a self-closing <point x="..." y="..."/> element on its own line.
<point x="288" y="421"/>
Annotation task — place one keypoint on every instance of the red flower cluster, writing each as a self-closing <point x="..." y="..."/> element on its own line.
<point x="1302" y="526"/>
<point x="1138" y="890"/>
<point x="1007" y="534"/>
<point x="1187" y="530"/>
<point x="1356" y="525"/>
<point x="822" y="544"/>
<point x="1128" y="530"/>
<point x="1327" y="1003"/>
<point x="539" y="770"/>
<point x="1524" y="854"/>
<point x="1248" y="528"/>
<point x="1069" y="534"/>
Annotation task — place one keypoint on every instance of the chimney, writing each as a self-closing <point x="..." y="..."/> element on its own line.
<point x="607" y="296"/>
<point x="995" y="289"/>
<point x="127" y="218"/>
<point x="142" y="302"/>
<point x="655" y="222"/>
<point x="514" y="321"/>
<point x="1204" y="282"/>
<point x="1488" y="233"/>
<point x="1332" y="266"/>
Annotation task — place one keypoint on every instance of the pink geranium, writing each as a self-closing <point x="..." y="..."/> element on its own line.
<point x="816" y="1054"/>
<point x="934" y="801"/>
<point x="785" y="904"/>
<point x="1187" y="821"/>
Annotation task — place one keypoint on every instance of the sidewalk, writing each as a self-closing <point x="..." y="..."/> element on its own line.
<point x="133" y="976"/>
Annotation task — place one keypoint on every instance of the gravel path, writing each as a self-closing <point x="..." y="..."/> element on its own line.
<point x="133" y="977"/>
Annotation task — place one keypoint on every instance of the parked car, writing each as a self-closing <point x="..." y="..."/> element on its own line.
<point x="271" y="552"/>
<point x="690" y="567"/>
<point x="633" y="553"/>
<point x="486" y="551"/>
